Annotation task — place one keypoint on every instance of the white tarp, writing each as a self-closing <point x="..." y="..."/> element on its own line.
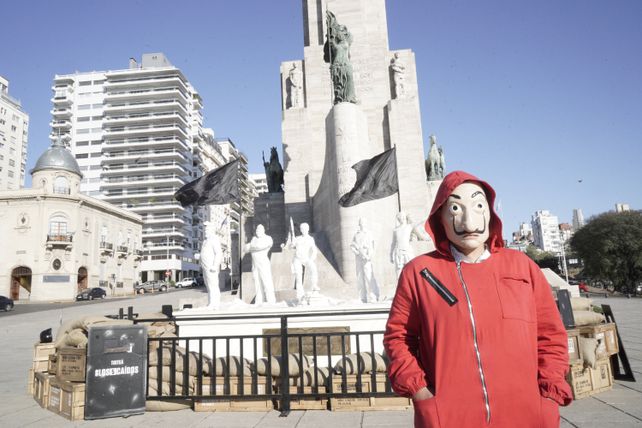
<point x="557" y="281"/>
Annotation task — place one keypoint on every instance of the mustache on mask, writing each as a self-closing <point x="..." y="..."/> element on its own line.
<point x="465" y="232"/>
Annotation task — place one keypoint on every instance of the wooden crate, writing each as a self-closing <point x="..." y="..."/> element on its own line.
<point x="230" y="404"/>
<point x="41" y="352"/>
<point x="41" y="388"/>
<point x="574" y="350"/>
<point x="221" y="405"/>
<point x="55" y="395"/>
<point x="30" y="381"/>
<point x="305" y="403"/>
<point x="587" y="381"/>
<point x="72" y="399"/>
<point x="606" y="335"/>
<point x="263" y="385"/>
<point x="365" y="403"/>
<point x="70" y="364"/>
<point x="51" y="366"/>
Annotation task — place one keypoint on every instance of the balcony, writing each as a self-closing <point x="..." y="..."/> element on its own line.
<point x="156" y="206"/>
<point x="167" y="167"/>
<point x="135" y="143"/>
<point x="61" y="240"/>
<point x="116" y="108"/>
<point x="115" y="84"/>
<point x="142" y="180"/>
<point x="60" y="124"/>
<point x="145" y="118"/>
<point x="159" y="154"/>
<point x="145" y="130"/>
<point x="61" y="112"/>
<point x="106" y="248"/>
<point x="132" y="195"/>
<point x="174" y="93"/>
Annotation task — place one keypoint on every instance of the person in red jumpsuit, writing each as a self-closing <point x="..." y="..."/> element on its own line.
<point x="474" y="335"/>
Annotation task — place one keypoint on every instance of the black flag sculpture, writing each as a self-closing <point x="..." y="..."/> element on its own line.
<point x="217" y="187"/>
<point x="376" y="178"/>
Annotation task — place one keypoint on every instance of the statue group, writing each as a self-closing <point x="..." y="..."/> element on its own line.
<point x="304" y="267"/>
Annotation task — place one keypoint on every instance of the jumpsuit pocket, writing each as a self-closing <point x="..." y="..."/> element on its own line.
<point x="426" y="415"/>
<point x="516" y="298"/>
<point x="549" y="413"/>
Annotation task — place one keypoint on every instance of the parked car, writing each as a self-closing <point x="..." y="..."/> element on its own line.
<point x="6" y="303"/>
<point x="186" y="282"/>
<point x="150" y="287"/>
<point x="91" y="294"/>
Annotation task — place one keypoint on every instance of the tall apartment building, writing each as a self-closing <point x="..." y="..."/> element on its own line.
<point x="260" y="182"/>
<point x="546" y="231"/>
<point x="14" y="134"/>
<point x="620" y="208"/>
<point x="133" y="133"/>
<point x="578" y="219"/>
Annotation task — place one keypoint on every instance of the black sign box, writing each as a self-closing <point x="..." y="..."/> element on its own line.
<point x="116" y="369"/>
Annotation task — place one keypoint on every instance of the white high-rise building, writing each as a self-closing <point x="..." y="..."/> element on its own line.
<point x="620" y="208"/>
<point x="260" y="182"/>
<point x="133" y="133"/>
<point x="14" y="134"/>
<point x="578" y="219"/>
<point x="546" y="231"/>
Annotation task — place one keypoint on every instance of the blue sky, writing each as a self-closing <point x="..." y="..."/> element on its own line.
<point x="530" y="96"/>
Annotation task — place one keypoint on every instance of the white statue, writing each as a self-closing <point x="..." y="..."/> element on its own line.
<point x="418" y="230"/>
<point x="296" y="86"/>
<point x="259" y="247"/>
<point x="401" y="251"/>
<point x="398" y="75"/>
<point x="304" y="257"/>
<point x="363" y="247"/>
<point x="210" y="260"/>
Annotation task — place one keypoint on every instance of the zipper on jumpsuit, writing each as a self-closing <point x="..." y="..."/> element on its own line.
<point x="472" y="322"/>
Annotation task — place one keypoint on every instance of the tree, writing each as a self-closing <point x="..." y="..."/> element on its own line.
<point x="610" y="245"/>
<point x="543" y="259"/>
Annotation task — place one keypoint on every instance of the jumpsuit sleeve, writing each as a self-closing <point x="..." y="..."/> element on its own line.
<point x="552" y="342"/>
<point x="401" y="339"/>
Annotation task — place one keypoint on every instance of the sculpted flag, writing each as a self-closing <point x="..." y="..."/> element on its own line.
<point x="217" y="187"/>
<point x="376" y="178"/>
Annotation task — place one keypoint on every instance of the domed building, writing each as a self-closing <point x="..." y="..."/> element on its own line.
<point x="61" y="241"/>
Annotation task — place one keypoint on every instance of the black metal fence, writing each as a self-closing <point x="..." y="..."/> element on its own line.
<point x="319" y="365"/>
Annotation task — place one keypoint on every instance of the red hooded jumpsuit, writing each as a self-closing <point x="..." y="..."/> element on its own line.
<point x="497" y="357"/>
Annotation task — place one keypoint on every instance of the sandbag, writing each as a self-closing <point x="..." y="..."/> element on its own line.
<point x="581" y="303"/>
<point x="349" y="364"/>
<point x="308" y="377"/>
<point x="153" y="388"/>
<point x="167" y="405"/>
<point x="588" y="346"/>
<point x="234" y="367"/>
<point x="295" y="365"/>
<point x="76" y="338"/>
<point x="365" y="363"/>
<point x="166" y="372"/>
<point x="587" y="318"/>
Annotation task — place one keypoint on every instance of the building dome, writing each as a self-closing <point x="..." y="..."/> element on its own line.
<point x="57" y="157"/>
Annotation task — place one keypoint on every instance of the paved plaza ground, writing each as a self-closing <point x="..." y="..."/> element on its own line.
<point x="621" y="407"/>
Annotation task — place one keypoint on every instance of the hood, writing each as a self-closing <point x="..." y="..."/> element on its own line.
<point x="433" y="224"/>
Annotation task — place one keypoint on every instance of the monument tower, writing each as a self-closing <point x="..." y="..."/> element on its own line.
<point x="324" y="135"/>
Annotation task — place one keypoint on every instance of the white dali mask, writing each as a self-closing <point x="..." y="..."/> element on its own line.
<point x="465" y="217"/>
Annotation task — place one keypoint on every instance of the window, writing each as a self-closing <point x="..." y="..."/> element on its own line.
<point x="12" y="162"/>
<point x="82" y="156"/>
<point x="61" y="185"/>
<point x="85" y="83"/>
<point x="84" y="106"/>
<point x="96" y="155"/>
<point x="58" y="225"/>
<point x="82" y="143"/>
<point x="10" y="174"/>
<point x="84" y="119"/>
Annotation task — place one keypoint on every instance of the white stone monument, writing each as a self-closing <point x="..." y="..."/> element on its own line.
<point x="210" y="260"/>
<point x="322" y="140"/>
<point x="401" y="251"/>
<point x="363" y="246"/>
<point x="305" y="253"/>
<point x="259" y="247"/>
